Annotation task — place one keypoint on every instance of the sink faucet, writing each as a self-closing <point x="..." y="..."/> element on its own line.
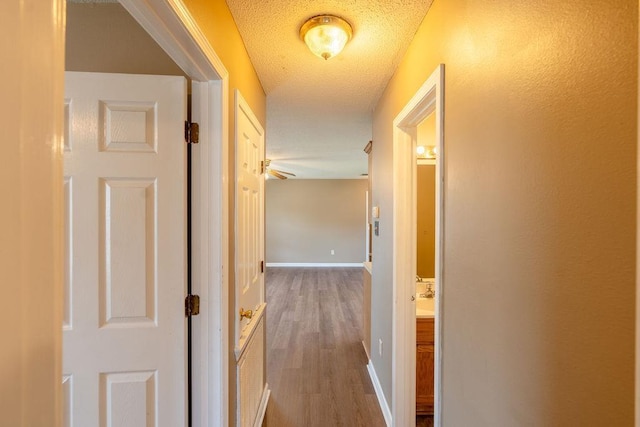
<point x="430" y="292"/>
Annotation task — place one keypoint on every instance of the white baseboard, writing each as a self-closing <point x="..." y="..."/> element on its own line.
<point x="384" y="406"/>
<point x="314" y="264"/>
<point x="262" y="409"/>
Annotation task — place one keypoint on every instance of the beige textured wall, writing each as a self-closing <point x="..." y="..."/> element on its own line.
<point x="426" y="220"/>
<point x="540" y="140"/>
<point x="307" y="218"/>
<point x="105" y="38"/>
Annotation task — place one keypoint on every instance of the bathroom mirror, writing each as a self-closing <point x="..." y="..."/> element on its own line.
<point x="426" y="198"/>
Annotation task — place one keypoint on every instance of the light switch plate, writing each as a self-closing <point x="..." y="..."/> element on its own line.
<point x="375" y="212"/>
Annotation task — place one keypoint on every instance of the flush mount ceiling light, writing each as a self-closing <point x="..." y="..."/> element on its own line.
<point x="326" y="35"/>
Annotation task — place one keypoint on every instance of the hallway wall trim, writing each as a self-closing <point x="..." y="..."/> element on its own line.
<point x="384" y="406"/>
<point x="314" y="264"/>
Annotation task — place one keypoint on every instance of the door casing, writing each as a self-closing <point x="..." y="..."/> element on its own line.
<point x="171" y="25"/>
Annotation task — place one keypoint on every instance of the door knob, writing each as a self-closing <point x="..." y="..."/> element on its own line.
<point x="245" y="314"/>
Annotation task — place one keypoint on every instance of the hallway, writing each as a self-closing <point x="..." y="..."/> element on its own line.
<point x="316" y="365"/>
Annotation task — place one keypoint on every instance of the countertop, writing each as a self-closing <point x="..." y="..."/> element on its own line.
<point x="425" y="308"/>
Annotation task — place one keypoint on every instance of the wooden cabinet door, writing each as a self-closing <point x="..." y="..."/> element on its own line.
<point x="424" y="367"/>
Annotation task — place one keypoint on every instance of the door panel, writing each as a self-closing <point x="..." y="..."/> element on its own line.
<point x="252" y="390"/>
<point x="249" y="213"/>
<point x="125" y="168"/>
<point x="128" y="243"/>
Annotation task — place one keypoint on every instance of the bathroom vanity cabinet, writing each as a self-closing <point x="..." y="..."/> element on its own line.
<point x="425" y="351"/>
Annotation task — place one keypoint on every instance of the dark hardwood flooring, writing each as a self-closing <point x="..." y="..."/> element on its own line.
<point x="316" y="365"/>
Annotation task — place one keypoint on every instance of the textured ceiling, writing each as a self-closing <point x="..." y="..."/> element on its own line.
<point x="319" y="112"/>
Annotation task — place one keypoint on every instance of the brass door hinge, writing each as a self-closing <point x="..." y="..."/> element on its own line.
<point x="367" y="149"/>
<point x="192" y="305"/>
<point x="261" y="166"/>
<point x="261" y="266"/>
<point x="191" y="132"/>
<point x="245" y="314"/>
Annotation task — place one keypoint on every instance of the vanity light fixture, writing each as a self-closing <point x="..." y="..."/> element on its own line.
<point x="426" y="151"/>
<point x="326" y="35"/>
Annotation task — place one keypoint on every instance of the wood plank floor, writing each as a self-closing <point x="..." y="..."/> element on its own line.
<point x="316" y="365"/>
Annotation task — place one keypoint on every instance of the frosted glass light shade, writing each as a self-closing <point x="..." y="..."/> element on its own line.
<point x="326" y="35"/>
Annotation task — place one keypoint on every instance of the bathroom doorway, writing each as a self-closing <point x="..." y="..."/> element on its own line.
<point x="427" y="157"/>
<point x="427" y="101"/>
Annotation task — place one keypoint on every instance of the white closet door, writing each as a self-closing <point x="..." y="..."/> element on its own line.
<point x="125" y="188"/>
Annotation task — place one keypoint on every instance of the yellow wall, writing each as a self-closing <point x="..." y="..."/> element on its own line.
<point x="426" y="221"/>
<point x="216" y="22"/>
<point x="539" y="258"/>
<point x="427" y="131"/>
<point x="31" y="212"/>
<point x="426" y="203"/>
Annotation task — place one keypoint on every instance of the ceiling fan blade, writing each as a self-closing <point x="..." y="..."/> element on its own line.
<point x="276" y="174"/>
<point x="280" y="174"/>
<point x="283" y="172"/>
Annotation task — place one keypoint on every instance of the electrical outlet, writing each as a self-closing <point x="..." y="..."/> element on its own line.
<point x="380" y="347"/>
<point x="333" y="252"/>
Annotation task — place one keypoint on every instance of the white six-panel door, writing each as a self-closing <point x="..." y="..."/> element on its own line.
<point x="249" y="214"/>
<point x="252" y="389"/>
<point x="124" y="355"/>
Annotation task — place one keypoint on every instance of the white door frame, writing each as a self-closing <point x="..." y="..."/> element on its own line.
<point x="429" y="98"/>
<point x="171" y="25"/>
